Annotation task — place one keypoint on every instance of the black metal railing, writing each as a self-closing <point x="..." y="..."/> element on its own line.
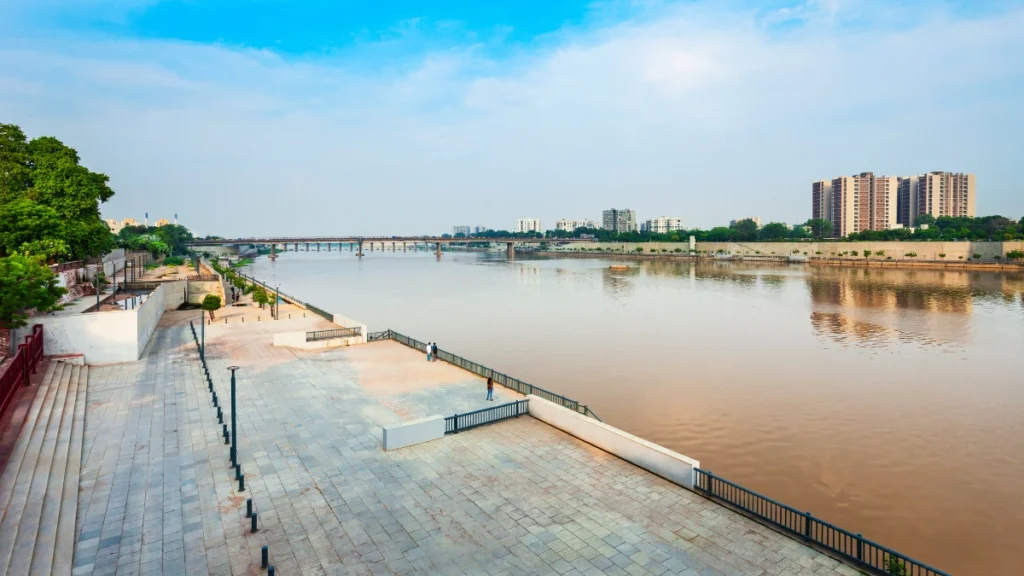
<point x="322" y="313"/>
<point x="851" y="546"/>
<point x="462" y="422"/>
<point x="336" y="333"/>
<point x="505" y="380"/>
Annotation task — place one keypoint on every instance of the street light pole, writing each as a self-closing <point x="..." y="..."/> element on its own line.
<point x="202" y="330"/>
<point x="234" y="429"/>
<point x="97" y="290"/>
<point x="277" y="302"/>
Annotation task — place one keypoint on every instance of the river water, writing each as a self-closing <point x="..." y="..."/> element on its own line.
<point x="889" y="402"/>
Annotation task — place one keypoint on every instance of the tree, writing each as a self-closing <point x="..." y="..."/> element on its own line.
<point x="25" y="284"/>
<point x="211" y="303"/>
<point x="774" y="231"/>
<point x="23" y="221"/>
<point x="924" y="219"/>
<point x="820" y="228"/>
<point x="47" y="173"/>
<point x="260" y="296"/>
<point x="744" y="231"/>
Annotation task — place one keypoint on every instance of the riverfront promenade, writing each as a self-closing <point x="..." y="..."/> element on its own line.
<point x="516" y="497"/>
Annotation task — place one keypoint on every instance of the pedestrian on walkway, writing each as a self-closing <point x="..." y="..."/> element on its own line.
<point x="434" y="350"/>
<point x="490" y="389"/>
<point x="430" y="348"/>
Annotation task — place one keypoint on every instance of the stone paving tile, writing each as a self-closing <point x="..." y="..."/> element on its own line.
<point x="519" y="497"/>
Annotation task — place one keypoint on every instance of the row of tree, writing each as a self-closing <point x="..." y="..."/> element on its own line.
<point x="994" y="228"/>
<point x="169" y="239"/>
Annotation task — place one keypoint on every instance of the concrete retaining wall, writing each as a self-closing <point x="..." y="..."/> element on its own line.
<point x="350" y="323"/>
<point x="953" y="251"/>
<point x="670" y="465"/>
<point x="415" y="432"/>
<point x="298" y="340"/>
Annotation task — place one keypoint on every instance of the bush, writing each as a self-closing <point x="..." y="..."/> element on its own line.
<point x="174" y="261"/>
<point x="1015" y="254"/>
<point x="639" y="249"/>
<point x="911" y="254"/>
<point x="677" y="250"/>
<point x="997" y="257"/>
<point x="942" y="255"/>
<point x="818" y="253"/>
<point x="853" y="252"/>
<point x="896" y="567"/>
<point x="867" y="253"/>
<point x="976" y="256"/>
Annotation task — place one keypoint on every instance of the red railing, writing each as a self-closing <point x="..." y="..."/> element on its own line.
<point x="17" y="371"/>
<point x="57" y="268"/>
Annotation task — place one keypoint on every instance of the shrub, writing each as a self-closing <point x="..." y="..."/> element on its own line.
<point x="880" y="253"/>
<point x="818" y="253"/>
<point x="1015" y="254"/>
<point x="867" y="253"/>
<point x="960" y="257"/>
<point x="653" y="250"/>
<point x="639" y="249"/>
<point x="678" y="250"/>
<point x="174" y="261"/>
<point x="853" y="252"/>
<point x="911" y="254"/>
<point x="997" y="257"/>
<point x="942" y="255"/>
<point x="896" y="567"/>
<point x="976" y="256"/>
<point x="888" y="257"/>
<point x="797" y="251"/>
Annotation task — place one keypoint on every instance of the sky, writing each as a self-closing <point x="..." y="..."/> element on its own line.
<point x="274" y="117"/>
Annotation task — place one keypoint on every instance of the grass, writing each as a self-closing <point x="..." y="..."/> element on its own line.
<point x="242" y="262"/>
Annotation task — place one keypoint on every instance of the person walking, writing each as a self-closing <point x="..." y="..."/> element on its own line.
<point x="430" y="348"/>
<point x="490" y="389"/>
<point x="434" y="350"/>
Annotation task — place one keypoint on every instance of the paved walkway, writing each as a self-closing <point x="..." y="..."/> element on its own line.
<point x="518" y="497"/>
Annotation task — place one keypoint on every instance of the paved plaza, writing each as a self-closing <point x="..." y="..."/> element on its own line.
<point x="517" y="497"/>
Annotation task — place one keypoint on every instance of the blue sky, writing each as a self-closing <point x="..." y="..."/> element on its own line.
<point x="410" y="117"/>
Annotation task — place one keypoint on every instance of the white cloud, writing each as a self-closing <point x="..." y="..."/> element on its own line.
<point x="698" y="113"/>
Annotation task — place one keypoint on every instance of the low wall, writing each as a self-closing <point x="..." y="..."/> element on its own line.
<point x="659" y="460"/>
<point x="345" y="322"/>
<point x="298" y="340"/>
<point x="197" y="290"/>
<point x="415" y="432"/>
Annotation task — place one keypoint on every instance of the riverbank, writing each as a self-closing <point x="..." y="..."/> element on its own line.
<point x="847" y="262"/>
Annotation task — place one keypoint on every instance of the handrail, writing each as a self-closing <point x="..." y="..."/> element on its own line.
<point x="461" y="422"/>
<point x="335" y="333"/>
<point x="505" y="380"/>
<point x="21" y="366"/>
<point x="855" y="547"/>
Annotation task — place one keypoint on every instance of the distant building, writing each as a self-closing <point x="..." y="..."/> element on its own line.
<point x="572" y="225"/>
<point x="756" y="219"/>
<point x="456" y="230"/>
<point x="662" y="225"/>
<point x="619" y="221"/>
<point x="116" y="227"/>
<point x="868" y="202"/>
<point x="480" y="229"/>
<point x="162" y="222"/>
<point x="528" y="225"/>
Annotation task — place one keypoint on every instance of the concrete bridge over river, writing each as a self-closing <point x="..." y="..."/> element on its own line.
<point x="394" y="241"/>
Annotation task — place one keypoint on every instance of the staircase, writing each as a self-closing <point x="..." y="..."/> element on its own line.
<point x="39" y="485"/>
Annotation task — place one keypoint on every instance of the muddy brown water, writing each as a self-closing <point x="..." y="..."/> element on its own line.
<point x="888" y="402"/>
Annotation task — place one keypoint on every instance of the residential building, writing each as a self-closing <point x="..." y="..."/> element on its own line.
<point x="528" y="225"/>
<point x="663" y="225"/>
<point x="821" y="200"/>
<point x="907" y="200"/>
<point x="480" y="229"/>
<point x="456" y="230"/>
<point x="884" y="202"/>
<point x="572" y="225"/>
<point x="162" y="222"/>
<point x="116" y="227"/>
<point x="619" y="221"/>
<point x="756" y="219"/>
<point x="946" y="194"/>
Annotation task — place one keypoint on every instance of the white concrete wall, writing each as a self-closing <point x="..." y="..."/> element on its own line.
<point x="103" y="337"/>
<point x="147" y="317"/>
<point x="198" y="290"/>
<point x="659" y="460"/>
<point x="350" y="323"/>
<point x="174" y="294"/>
<point x="415" y="432"/>
<point x="298" y="340"/>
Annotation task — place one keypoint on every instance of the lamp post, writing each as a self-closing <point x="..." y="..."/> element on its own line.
<point x="202" y="331"/>
<point x="234" y="429"/>
<point x="97" y="289"/>
<point x="277" y="302"/>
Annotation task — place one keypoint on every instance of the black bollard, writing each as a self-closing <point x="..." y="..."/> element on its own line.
<point x="270" y="571"/>
<point x="265" y="552"/>
<point x="254" y="524"/>
<point x="238" y="471"/>
<point x="248" y="508"/>
<point x="241" y="483"/>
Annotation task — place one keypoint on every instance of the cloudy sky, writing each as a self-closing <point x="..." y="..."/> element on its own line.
<point x="401" y="117"/>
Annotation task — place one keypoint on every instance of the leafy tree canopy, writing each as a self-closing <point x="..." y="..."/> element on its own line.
<point x="43" y="178"/>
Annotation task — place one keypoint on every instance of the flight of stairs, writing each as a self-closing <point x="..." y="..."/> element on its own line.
<point x="39" y="484"/>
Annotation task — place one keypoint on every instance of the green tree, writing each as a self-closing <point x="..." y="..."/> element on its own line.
<point x="15" y="176"/>
<point x="211" y="303"/>
<point x="260" y="296"/>
<point x="744" y="231"/>
<point x="774" y="231"/>
<point x="23" y="221"/>
<point x="26" y="283"/>
<point x="820" y="228"/>
<point x="924" y="219"/>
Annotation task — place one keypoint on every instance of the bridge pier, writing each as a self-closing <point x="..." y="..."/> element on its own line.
<point x="403" y="246"/>
<point x="392" y="246"/>
<point x="510" y="250"/>
<point x="273" y="251"/>
<point x="360" y="253"/>
<point x="438" y="250"/>
<point x="296" y="246"/>
<point x="317" y="246"/>
<point x="307" y="246"/>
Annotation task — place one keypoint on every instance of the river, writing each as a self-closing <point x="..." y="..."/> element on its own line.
<point x="889" y="402"/>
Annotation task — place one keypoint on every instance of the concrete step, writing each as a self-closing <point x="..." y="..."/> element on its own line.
<point x="24" y="482"/>
<point x="39" y="550"/>
<point x="64" y="550"/>
<point x="17" y="419"/>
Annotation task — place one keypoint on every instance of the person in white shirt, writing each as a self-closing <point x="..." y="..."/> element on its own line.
<point x="430" y="348"/>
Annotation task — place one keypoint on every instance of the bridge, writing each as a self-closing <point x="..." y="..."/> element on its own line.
<point x="361" y="241"/>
